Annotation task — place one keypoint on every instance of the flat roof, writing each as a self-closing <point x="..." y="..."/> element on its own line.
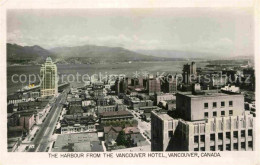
<point x="210" y="93"/>
<point x="163" y="116"/>
<point x="82" y="142"/>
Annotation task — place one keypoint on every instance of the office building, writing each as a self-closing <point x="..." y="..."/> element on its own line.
<point x="49" y="79"/>
<point x="189" y="73"/>
<point x="153" y="86"/>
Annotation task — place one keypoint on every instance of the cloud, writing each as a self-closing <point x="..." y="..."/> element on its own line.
<point x="129" y="42"/>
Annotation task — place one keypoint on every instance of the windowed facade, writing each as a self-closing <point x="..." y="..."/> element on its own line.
<point x="228" y="135"/>
<point x="222" y="113"/>
<point x="214" y="104"/>
<point x="196" y="139"/>
<point x="228" y="147"/>
<point x="206" y="105"/>
<point x="220" y="136"/>
<point x="212" y="137"/>
<point x="206" y="114"/>
<point x="215" y="114"/>
<point x="202" y="138"/>
<point x="235" y="134"/>
<point x="243" y="145"/>
<point x="235" y="146"/>
<point x="250" y="144"/>
<point x="230" y="112"/>
<point x="250" y="133"/>
<point x="220" y="147"/>
<point x="231" y="103"/>
<point x="243" y="133"/>
<point x="222" y="104"/>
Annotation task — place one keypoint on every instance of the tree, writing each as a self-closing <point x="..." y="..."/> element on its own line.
<point x="121" y="139"/>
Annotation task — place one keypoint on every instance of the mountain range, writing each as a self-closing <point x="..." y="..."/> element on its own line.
<point x="89" y="54"/>
<point x="17" y="54"/>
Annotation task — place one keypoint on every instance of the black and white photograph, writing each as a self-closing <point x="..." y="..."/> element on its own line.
<point x="130" y="83"/>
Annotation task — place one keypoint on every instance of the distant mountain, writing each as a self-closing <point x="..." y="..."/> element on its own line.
<point x="86" y="54"/>
<point x="17" y="54"/>
<point x="178" y="54"/>
<point x="92" y="54"/>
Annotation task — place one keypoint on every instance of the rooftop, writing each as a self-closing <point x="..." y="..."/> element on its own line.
<point x="83" y="142"/>
<point x="163" y="116"/>
<point x="116" y="113"/>
<point x="206" y="93"/>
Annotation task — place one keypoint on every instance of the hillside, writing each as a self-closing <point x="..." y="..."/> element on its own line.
<point x="17" y="54"/>
<point x="92" y="54"/>
<point x="87" y="54"/>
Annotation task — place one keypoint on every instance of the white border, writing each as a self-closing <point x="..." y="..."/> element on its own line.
<point x="42" y="158"/>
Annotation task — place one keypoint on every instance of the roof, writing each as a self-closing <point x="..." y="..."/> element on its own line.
<point x="75" y="119"/>
<point x="116" y="129"/>
<point x="82" y="142"/>
<point x="14" y="97"/>
<point x="163" y="116"/>
<point x="205" y="93"/>
<point x="116" y="113"/>
<point x="48" y="59"/>
<point x="131" y="130"/>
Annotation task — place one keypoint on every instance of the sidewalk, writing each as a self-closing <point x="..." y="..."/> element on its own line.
<point x="31" y="134"/>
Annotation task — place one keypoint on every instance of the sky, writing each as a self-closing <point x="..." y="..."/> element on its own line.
<point x="228" y="31"/>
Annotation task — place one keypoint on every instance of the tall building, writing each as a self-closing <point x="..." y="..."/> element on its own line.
<point x="189" y="70"/>
<point x="49" y="79"/>
<point x="121" y="85"/>
<point x="169" y="84"/>
<point x="204" y="121"/>
<point x="153" y="85"/>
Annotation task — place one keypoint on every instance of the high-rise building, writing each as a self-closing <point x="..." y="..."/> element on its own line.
<point x="49" y="78"/>
<point x="169" y="84"/>
<point x="204" y="121"/>
<point x="121" y="85"/>
<point x="153" y="85"/>
<point x="189" y="70"/>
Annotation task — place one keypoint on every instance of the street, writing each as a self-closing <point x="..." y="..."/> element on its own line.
<point x="42" y="139"/>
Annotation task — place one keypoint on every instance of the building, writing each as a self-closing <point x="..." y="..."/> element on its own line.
<point x="163" y="97"/>
<point x="110" y="135"/>
<point x="116" y="116"/>
<point x="98" y="89"/>
<point x="27" y="121"/>
<point x="204" y="121"/>
<point x="137" y="104"/>
<point x="153" y="86"/>
<point x="169" y="84"/>
<point x="189" y="70"/>
<point x="78" y="124"/>
<point x="168" y="105"/>
<point x="14" y="98"/>
<point x="121" y="85"/>
<point x="80" y="142"/>
<point x="49" y="78"/>
<point x="108" y="108"/>
<point x="137" y="82"/>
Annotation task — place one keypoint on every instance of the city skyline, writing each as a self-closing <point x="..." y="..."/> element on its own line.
<point x="226" y="31"/>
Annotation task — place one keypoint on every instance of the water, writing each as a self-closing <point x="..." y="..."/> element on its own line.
<point x="128" y="69"/>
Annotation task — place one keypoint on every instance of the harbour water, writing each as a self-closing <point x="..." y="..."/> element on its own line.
<point x="128" y="69"/>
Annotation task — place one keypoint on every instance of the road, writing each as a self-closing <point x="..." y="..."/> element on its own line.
<point x="42" y="139"/>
